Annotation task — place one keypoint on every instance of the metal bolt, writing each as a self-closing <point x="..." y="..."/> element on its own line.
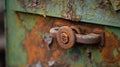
<point x="64" y="38"/>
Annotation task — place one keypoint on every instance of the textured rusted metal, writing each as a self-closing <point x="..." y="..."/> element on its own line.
<point x="65" y="37"/>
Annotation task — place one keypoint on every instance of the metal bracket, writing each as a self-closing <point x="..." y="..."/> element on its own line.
<point x="67" y="37"/>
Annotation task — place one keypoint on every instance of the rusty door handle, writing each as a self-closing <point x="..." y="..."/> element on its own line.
<point x="88" y="39"/>
<point x="66" y="37"/>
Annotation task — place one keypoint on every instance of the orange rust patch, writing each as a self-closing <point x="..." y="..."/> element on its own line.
<point x="36" y="48"/>
<point x="111" y="43"/>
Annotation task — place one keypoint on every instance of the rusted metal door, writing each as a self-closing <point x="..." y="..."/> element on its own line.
<point x="63" y="33"/>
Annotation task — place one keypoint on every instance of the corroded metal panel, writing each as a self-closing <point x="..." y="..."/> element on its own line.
<point x="28" y="44"/>
<point x="31" y="44"/>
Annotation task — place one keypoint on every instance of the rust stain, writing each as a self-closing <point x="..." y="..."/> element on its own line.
<point x="35" y="46"/>
<point x="111" y="43"/>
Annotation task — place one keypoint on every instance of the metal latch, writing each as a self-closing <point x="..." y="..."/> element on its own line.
<point x="67" y="37"/>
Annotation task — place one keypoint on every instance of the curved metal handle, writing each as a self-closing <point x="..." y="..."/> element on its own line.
<point x="88" y="39"/>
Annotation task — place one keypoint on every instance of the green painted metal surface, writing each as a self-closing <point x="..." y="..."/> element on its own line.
<point x="88" y="10"/>
<point x="21" y="19"/>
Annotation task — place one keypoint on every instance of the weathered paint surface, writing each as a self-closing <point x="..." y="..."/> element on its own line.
<point x="28" y="38"/>
<point x="92" y="11"/>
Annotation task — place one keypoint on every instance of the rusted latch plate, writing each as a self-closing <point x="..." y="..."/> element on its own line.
<point x="116" y="4"/>
<point x="67" y="36"/>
